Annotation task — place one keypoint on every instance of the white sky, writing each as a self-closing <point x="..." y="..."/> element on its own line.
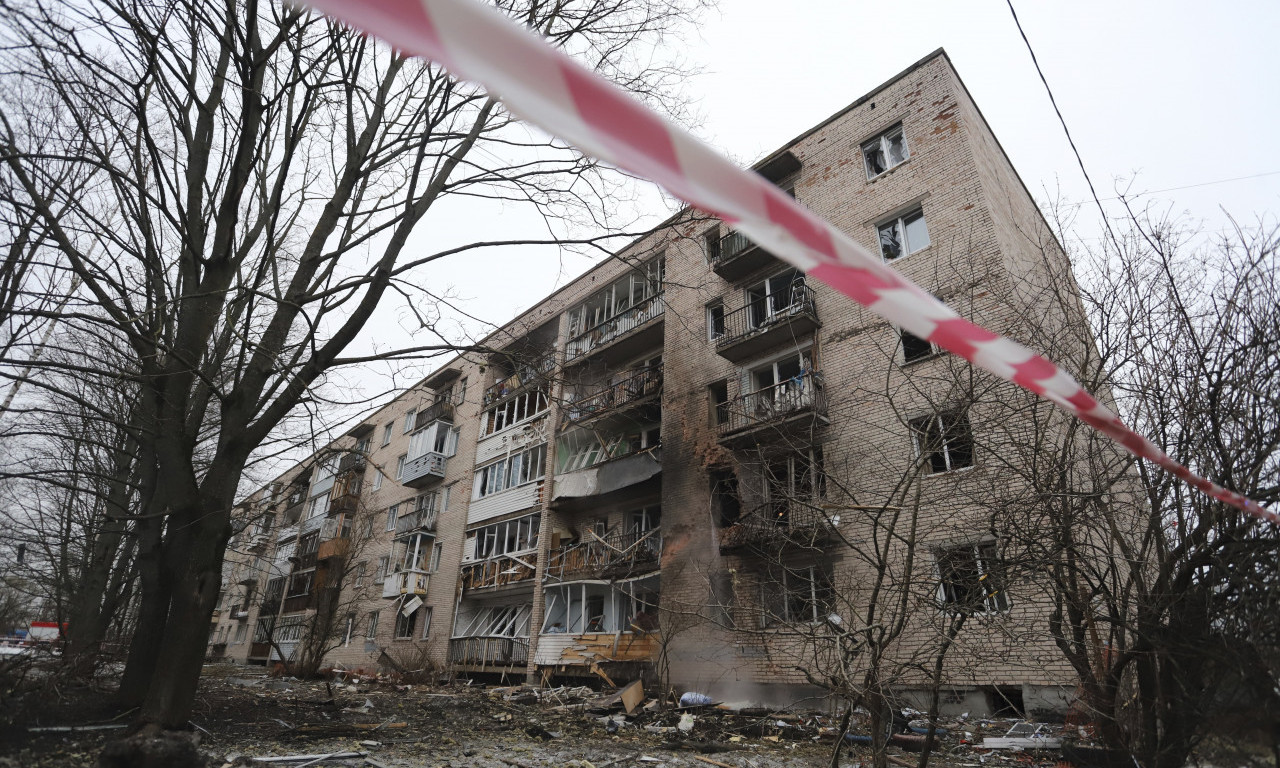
<point x="1176" y="92"/>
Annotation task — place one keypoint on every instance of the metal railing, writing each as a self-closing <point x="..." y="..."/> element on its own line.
<point x="799" y="394"/>
<point x="733" y="245"/>
<point x="616" y="554"/>
<point x="779" y="522"/>
<point x="417" y="520"/>
<point x="489" y="651"/>
<point x="765" y="312"/>
<point x="615" y="327"/>
<point x="524" y="376"/>
<point x="441" y="410"/>
<point x="642" y="383"/>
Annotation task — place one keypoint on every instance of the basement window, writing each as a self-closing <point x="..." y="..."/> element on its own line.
<point x="886" y="151"/>
<point x="969" y="580"/>
<point x="903" y="235"/>
<point x="944" y="441"/>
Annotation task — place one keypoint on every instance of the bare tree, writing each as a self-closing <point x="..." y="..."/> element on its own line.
<point x="243" y="183"/>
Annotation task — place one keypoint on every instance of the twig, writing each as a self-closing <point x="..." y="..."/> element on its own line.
<point x="713" y="762"/>
<point x="619" y="760"/>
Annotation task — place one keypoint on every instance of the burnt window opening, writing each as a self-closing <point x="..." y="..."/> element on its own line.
<point x="725" y="502"/>
<point x="718" y="395"/>
<point x="915" y="348"/>
<point x="944" y="441"/>
<point x="715" y="321"/>
<point x="711" y="244"/>
<point x="970" y="580"/>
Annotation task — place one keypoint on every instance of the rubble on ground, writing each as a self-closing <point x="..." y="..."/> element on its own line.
<point x="356" y="719"/>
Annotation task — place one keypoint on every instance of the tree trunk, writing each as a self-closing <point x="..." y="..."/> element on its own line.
<point x="153" y="611"/>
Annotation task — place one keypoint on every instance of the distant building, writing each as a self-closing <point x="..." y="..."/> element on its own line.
<point x="647" y="446"/>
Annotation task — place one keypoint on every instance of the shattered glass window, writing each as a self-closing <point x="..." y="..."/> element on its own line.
<point x="885" y="151"/>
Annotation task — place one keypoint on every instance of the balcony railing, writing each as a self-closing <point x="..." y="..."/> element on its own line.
<point x="424" y="469"/>
<point x="641" y="384"/>
<point x="497" y="571"/>
<point x="796" y="396"/>
<point x="524" y="376"/>
<point x="738" y="256"/>
<point x="489" y="651"/>
<point x="779" y="523"/>
<point x="421" y="520"/>
<point x="441" y="410"/>
<point x="351" y="462"/>
<point x="615" y="327"/>
<point x="767" y="321"/>
<point x="614" y="556"/>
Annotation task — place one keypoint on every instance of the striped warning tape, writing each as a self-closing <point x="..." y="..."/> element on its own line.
<point x="547" y="88"/>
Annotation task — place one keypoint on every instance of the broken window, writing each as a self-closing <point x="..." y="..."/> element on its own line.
<point x="718" y="394"/>
<point x="511" y="471"/>
<point x="970" y="579"/>
<point x="885" y="151"/>
<point x="371" y="629"/>
<point x="724" y="497"/>
<point x="715" y="321"/>
<point x="904" y="235"/>
<point x="711" y="244"/>
<point x="774" y="296"/>
<point x="517" y="410"/>
<point x="797" y="594"/>
<point x="915" y="348"/>
<point x="405" y="624"/>
<point x="509" y="537"/>
<point x="944" y="441"/>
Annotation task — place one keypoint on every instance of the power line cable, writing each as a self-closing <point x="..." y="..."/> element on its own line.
<point x="1062" y="120"/>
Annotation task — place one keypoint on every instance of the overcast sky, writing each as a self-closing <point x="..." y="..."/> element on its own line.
<point x="1168" y="94"/>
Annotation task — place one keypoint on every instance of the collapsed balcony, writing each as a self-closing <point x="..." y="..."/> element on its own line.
<point x="614" y="556"/>
<point x="768" y="321"/>
<point x="778" y="524"/>
<point x="799" y="399"/>
<point x="498" y="571"/>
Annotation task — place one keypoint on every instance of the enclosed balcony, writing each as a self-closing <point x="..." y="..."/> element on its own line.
<point x="796" y="402"/>
<point x="498" y="572"/>
<point x="430" y="446"/>
<point x="417" y="521"/>
<point x="768" y="320"/>
<point x="614" y="556"/>
<point x="639" y="387"/>
<point x="423" y="470"/>
<point x="406" y="582"/>
<point x="781" y="523"/>
<point x="623" y="335"/>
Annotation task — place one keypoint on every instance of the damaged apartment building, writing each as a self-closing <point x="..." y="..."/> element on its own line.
<point x="669" y="468"/>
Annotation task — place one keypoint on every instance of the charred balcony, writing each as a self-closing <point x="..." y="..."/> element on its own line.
<point x="779" y="524"/>
<point x="641" y="387"/>
<point x="614" y="556"/>
<point x="794" y="404"/>
<point x="498" y="571"/>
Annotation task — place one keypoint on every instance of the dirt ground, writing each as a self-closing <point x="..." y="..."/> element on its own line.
<point x="242" y="715"/>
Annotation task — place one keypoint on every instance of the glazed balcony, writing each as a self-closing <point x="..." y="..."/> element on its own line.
<point x="489" y="653"/>
<point x="424" y="470"/>
<point x="762" y="324"/>
<point x="617" y="555"/>
<point x="498" y="572"/>
<point x="418" y="521"/>
<point x="406" y="582"/>
<point x="644" y="385"/>
<point x="798" y="401"/>
<point x="738" y="257"/>
<point x="780" y="524"/>
<point x="622" y="336"/>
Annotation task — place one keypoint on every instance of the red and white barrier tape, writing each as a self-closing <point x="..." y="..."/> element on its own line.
<point x="548" y="89"/>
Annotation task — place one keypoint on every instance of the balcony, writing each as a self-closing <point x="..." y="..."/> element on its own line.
<point x="796" y="402"/>
<point x="240" y="612"/>
<point x="497" y="572"/>
<point x="481" y="654"/>
<point x="624" y="335"/>
<point x="336" y="547"/>
<point x="424" y="470"/>
<point x="406" y="582"/>
<point x="441" y="410"/>
<point x="738" y="257"/>
<point x="780" y="524"/>
<point x="351" y="462"/>
<point x="296" y="603"/>
<point x="524" y="377"/>
<point x="761" y="325"/>
<point x="418" y="521"/>
<point x="642" y="386"/>
<point x="618" y="555"/>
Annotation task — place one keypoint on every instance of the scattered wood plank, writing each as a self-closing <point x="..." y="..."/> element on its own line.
<point x="70" y="728"/>
<point x="709" y="761"/>
<point x="310" y="758"/>
<point x="632" y="696"/>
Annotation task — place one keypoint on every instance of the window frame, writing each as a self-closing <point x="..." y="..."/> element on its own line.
<point x="881" y="143"/>
<point x="899" y="224"/>
<point x="983" y="557"/>
<point x="950" y="441"/>
<point x="933" y="349"/>
<point x="410" y="420"/>
<point x="716" y="324"/>
<point x="497" y="476"/>
<point x="388" y="430"/>
<point x="789" y="584"/>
